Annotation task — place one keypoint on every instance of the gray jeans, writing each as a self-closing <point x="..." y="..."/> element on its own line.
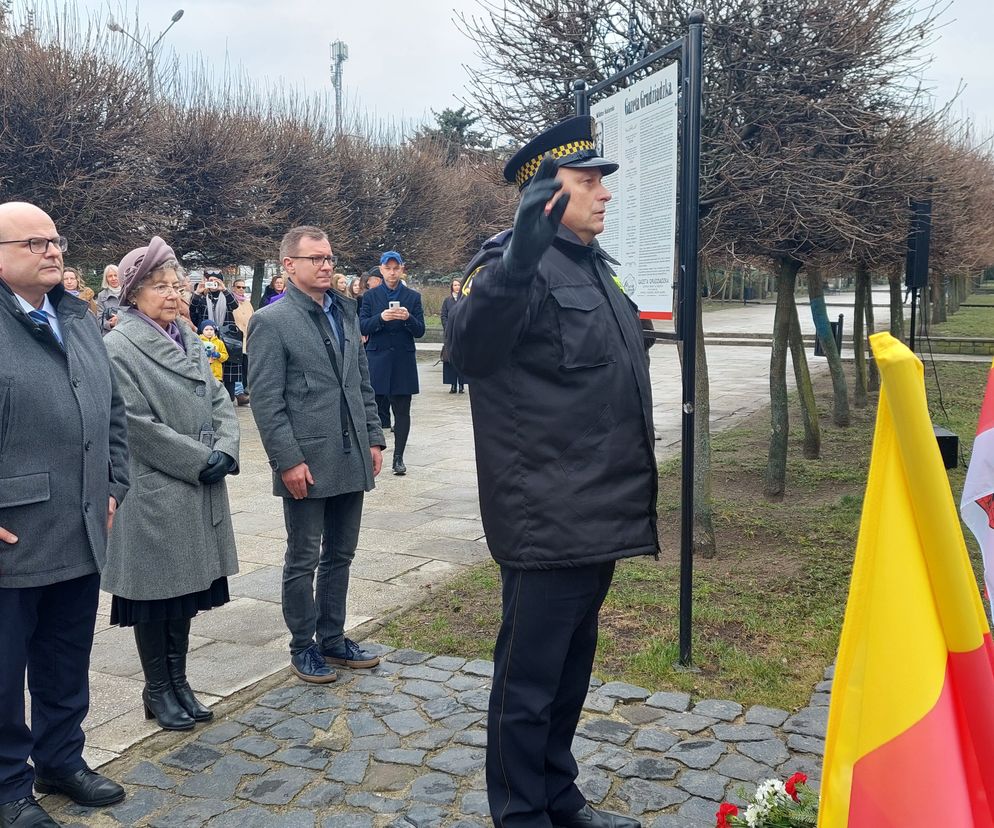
<point x="322" y="534"/>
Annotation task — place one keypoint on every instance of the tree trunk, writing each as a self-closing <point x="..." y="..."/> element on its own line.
<point x="951" y="289"/>
<point x="840" y="392"/>
<point x="874" y="374"/>
<point x="858" y="340"/>
<point x="703" y="529"/>
<point x="805" y="389"/>
<point x="776" y="466"/>
<point x="258" y="274"/>
<point x="896" y="303"/>
<point x="704" y="538"/>
<point x="938" y="291"/>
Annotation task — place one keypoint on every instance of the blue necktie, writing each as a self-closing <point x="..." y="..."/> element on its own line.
<point x="42" y="319"/>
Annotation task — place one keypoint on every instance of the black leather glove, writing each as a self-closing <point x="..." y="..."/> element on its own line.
<point x="533" y="229"/>
<point x="218" y="465"/>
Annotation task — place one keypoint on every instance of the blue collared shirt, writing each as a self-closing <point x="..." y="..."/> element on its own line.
<point x="47" y="308"/>
<point x="326" y="304"/>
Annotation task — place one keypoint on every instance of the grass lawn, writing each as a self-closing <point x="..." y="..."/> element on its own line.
<point x="977" y="322"/>
<point x="768" y="608"/>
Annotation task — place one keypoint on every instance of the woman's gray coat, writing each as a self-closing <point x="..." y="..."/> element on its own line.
<point x="173" y="535"/>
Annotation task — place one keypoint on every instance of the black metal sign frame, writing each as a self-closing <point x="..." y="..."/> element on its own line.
<point x="691" y="48"/>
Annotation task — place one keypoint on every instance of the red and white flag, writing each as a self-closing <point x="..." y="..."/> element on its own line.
<point x="977" y="504"/>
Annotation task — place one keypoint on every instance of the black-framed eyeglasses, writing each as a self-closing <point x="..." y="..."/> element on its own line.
<point x="317" y="261"/>
<point x="39" y="246"/>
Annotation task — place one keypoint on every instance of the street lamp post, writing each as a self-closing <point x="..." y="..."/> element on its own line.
<point x="148" y="50"/>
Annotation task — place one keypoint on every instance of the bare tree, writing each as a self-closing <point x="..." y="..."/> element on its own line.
<point x="801" y="95"/>
<point x="215" y="196"/>
<point x="72" y="135"/>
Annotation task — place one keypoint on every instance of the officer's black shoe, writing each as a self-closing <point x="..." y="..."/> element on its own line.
<point x="85" y="787"/>
<point x="588" y="817"/>
<point x="452" y="390"/>
<point x="25" y="813"/>
<point x="398" y="465"/>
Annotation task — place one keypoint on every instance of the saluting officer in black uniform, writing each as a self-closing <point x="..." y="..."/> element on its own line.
<point x="562" y="415"/>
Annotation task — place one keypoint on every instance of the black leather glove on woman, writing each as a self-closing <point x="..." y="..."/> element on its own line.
<point x="218" y="465"/>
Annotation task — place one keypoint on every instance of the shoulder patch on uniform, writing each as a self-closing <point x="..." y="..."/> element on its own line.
<point x="468" y="284"/>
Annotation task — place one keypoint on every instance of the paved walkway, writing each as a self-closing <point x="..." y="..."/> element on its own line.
<point x="402" y="745"/>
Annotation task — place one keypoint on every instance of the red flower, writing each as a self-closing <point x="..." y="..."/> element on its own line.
<point x="724" y="812"/>
<point x="793" y="782"/>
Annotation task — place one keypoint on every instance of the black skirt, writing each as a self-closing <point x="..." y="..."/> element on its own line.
<point x="126" y="613"/>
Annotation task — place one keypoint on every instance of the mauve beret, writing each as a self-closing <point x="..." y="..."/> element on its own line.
<point x="140" y="262"/>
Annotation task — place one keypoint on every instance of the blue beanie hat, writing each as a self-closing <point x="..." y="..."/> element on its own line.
<point x="204" y="324"/>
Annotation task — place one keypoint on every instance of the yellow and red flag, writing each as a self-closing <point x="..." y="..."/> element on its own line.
<point x="977" y="504"/>
<point x="910" y="738"/>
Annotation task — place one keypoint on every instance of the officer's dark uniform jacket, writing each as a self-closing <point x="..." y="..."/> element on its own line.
<point x="562" y="408"/>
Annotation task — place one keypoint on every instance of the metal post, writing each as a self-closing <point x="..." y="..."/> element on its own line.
<point x="914" y="304"/>
<point x="580" y="100"/>
<point x="149" y="50"/>
<point x="339" y="54"/>
<point x="689" y="221"/>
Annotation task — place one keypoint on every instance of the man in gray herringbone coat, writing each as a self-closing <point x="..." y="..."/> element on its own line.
<point x="63" y="473"/>
<point x="316" y="413"/>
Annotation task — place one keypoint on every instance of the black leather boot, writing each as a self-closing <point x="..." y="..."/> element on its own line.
<point x="178" y="631"/>
<point x="159" y="697"/>
<point x="398" y="465"/>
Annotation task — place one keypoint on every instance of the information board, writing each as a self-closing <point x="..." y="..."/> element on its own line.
<point x="637" y="127"/>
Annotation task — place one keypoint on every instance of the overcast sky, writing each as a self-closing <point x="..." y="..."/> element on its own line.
<point x="407" y="58"/>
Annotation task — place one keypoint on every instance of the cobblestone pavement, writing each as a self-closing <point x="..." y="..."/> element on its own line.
<point x="402" y="745"/>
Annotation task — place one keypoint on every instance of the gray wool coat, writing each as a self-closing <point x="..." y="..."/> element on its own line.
<point x="173" y="536"/>
<point x="296" y="395"/>
<point x="63" y="444"/>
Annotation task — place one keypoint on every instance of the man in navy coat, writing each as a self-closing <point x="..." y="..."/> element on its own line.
<point x="392" y="317"/>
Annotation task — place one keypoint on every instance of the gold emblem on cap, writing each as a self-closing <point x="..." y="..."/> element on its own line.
<point x="529" y="168"/>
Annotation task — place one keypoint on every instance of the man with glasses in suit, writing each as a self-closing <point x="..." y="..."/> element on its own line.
<point x="63" y="473"/>
<point x="314" y="405"/>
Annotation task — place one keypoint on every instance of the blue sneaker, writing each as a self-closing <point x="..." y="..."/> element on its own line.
<point x="350" y="654"/>
<point x="309" y="666"/>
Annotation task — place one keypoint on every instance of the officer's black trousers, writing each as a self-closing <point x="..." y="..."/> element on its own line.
<point x="544" y="654"/>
